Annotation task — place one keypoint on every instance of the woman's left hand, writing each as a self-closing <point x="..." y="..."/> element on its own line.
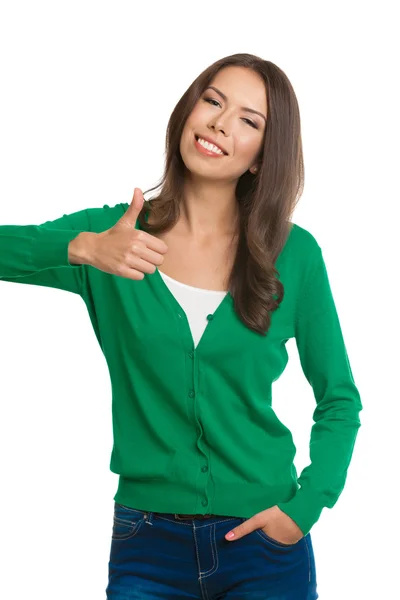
<point x="274" y="522"/>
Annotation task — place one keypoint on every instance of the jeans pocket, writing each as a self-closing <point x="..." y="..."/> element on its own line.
<point x="127" y="522"/>
<point x="261" y="533"/>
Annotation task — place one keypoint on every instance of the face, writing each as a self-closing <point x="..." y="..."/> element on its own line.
<point x="232" y="114"/>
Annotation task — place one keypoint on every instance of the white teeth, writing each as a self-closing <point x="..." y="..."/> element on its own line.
<point x="209" y="146"/>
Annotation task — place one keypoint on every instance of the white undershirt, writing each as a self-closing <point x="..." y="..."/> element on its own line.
<point x="196" y="302"/>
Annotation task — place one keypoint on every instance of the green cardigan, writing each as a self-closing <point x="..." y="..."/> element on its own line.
<point x="193" y="427"/>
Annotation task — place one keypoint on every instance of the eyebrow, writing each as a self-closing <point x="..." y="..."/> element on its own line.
<point x="250" y="110"/>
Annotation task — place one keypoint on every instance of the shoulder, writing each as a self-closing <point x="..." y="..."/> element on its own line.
<point x="303" y="240"/>
<point x="301" y="251"/>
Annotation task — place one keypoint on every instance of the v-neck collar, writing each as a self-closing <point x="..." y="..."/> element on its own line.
<point x="179" y="311"/>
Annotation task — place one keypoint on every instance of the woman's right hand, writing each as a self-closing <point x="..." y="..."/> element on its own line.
<point x="126" y="251"/>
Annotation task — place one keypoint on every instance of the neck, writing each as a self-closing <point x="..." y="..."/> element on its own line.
<point x="209" y="209"/>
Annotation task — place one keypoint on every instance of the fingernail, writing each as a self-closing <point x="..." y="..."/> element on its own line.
<point x="230" y="535"/>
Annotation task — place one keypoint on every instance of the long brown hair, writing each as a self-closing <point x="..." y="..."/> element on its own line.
<point x="266" y="201"/>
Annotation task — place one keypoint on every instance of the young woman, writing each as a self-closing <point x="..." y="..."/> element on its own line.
<point x="192" y="296"/>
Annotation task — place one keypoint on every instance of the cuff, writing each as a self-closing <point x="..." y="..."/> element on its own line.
<point x="50" y="248"/>
<point x="304" y="508"/>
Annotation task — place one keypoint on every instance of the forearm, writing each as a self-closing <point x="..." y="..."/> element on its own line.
<point x="26" y="249"/>
<point x="325" y="363"/>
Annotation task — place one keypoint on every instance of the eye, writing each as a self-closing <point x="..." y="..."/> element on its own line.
<point x="210" y="100"/>
<point x="216" y="103"/>
<point x="250" y="123"/>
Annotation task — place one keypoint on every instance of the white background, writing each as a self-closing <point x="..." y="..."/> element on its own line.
<point x="86" y="92"/>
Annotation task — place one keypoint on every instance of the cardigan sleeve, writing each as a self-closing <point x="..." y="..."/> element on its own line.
<point x="326" y="366"/>
<point x="38" y="254"/>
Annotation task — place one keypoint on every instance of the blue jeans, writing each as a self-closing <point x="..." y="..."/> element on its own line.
<point x="158" y="557"/>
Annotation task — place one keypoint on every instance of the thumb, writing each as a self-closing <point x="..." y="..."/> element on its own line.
<point x="132" y="213"/>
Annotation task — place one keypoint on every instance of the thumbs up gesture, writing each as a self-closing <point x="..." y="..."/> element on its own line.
<point x="126" y="251"/>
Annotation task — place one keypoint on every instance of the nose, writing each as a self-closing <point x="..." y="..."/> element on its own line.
<point x="220" y="123"/>
<point x="217" y="127"/>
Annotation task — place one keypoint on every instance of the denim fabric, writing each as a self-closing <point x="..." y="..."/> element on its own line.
<point x="156" y="556"/>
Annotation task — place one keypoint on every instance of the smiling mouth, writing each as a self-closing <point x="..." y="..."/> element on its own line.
<point x="197" y="137"/>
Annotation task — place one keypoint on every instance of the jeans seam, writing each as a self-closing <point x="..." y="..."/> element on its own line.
<point x="214" y="555"/>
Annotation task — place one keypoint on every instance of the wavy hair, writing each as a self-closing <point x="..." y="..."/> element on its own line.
<point x="266" y="201"/>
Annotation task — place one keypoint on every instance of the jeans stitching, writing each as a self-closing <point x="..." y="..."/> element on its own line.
<point x="136" y="526"/>
<point x="309" y="563"/>
<point x="137" y="510"/>
<point x="213" y="545"/>
<point x="273" y="542"/>
<point x="202" y="588"/>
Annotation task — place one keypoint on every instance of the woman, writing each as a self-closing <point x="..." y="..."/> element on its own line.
<point x="193" y="348"/>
